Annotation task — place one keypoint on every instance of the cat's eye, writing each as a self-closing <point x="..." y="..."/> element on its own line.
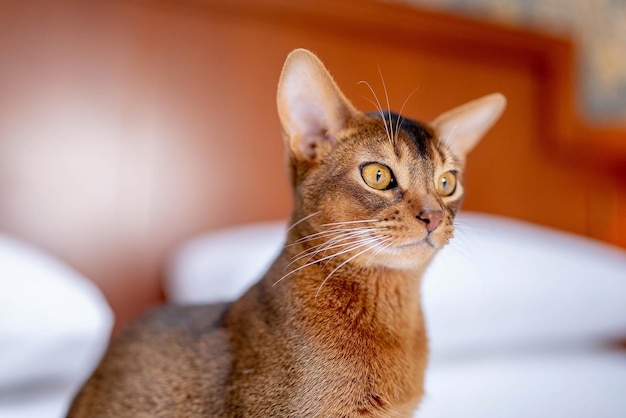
<point x="378" y="176"/>
<point x="446" y="184"/>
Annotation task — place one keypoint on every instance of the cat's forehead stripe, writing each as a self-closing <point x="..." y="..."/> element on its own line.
<point x="416" y="131"/>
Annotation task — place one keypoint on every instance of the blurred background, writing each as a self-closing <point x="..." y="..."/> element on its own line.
<point x="128" y="126"/>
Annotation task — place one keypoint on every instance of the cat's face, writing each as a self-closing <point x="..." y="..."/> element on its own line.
<point x="392" y="196"/>
<point x="375" y="189"/>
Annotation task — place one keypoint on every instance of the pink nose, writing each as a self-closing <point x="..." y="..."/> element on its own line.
<point x="431" y="219"/>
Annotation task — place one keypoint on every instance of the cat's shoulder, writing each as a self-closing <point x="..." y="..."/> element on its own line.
<point x="185" y="340"/>
<point x="193" y="321"/>
<point x="172" y="331"/>
<point x="173" y="361"/>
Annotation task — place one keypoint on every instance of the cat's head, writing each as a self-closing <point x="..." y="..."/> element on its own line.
<point x="377" y="187"/>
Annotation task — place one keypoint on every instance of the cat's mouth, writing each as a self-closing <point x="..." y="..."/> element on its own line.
<point x="428" y="242"/>
<point x="425" y="241"/>
<point x="417" y="243"/>
<point x="408" y="253"/>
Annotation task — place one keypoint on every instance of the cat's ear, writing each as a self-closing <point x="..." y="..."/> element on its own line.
<point x="463" y="127"/>
<point x="311" y="108"/>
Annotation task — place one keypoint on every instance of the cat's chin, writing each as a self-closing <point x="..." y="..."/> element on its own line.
<point x="409" y="255"/>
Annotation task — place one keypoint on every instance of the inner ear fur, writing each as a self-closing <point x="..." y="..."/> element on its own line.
<point x="311" y="108"/>
<point x="463" y="127"/>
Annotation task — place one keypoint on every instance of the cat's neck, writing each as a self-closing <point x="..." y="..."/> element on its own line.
<point x="338" y="324"/>
<point x="357" y="296"/>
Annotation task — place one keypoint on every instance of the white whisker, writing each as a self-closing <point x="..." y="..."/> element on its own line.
<point x="390" y="133"/>
<point x="302" y="220"/>
<point x="346" y="262"/>
<point x="337" y="240"/>
<point x="376" y="104"/>
<point x="347" y="250"/>
<point x="383" y="246"/>
<point x="400" y="118"/>
<point x="341" y="238"/>
<point x="355" y="245"/>
<point x="380" y="110"/>
<point x="329" y="232"/>
<point x="351" y="222"/>
<point x="327" y="245"/>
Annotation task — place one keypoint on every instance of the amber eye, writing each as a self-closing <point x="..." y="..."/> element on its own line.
<point x="378" y="176"/>
<point x="446" y="185"/>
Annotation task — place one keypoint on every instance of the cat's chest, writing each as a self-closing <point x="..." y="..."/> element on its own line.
<point x="362" y="378"/>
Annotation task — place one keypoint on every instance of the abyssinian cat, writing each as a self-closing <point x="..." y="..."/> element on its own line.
<point x="335" y="327"/>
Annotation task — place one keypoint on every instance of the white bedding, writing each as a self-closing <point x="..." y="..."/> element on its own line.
<point x="54" y="326"/>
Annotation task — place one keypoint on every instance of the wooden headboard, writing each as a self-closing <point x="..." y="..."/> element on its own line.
<point x="128" y="126"/>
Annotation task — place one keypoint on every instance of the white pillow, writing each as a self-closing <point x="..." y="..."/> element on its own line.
<point x="220" y="266"/>
<point x="499" y="284"/>
<point x="54" y="326"/>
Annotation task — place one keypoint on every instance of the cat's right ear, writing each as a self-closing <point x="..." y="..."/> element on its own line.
<point x="311" y="108"/>
<point x="463" y="127"/>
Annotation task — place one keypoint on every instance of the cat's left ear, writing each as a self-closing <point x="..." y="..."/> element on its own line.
<point x="463" y="127"/>
<point x="311" y="108"/>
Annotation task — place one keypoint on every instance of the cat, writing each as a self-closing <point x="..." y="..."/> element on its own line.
<point x="334" y="328"/>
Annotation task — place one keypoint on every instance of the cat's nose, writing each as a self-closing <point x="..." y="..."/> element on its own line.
<point x="431" y="219"/>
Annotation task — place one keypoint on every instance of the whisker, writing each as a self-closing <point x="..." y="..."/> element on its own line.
<point x="460" y="226"/>
<point x="343" y="264"/>
<point x="354" y="247"/>
<point x="465" y="222"/>
<point x="329" y="232"/>
<point x="383" y="246"/>
<point x="339" y="239"/>
<point x="349" y="235"/>
<point x="335" y="238"/>
<point x="377" y="104"/>
<point x="352" y="222"/>
<point x="391" y="135"/>
<point x="380" y="109"/>
<point x="309" y="216"/>
<point x="325" y="246"/>
<point x="400" y="118"/>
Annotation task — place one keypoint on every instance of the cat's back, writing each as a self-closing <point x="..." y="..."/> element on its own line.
<point x="172" y="362"/>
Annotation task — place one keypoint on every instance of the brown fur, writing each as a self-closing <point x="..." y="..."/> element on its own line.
<point x="324" y="333"/>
